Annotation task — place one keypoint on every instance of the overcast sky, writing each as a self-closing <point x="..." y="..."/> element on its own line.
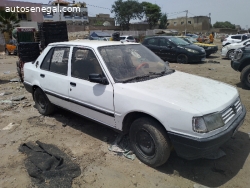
<point x="235" y="11"/>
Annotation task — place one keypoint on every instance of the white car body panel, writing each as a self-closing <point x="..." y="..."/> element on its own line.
<point x="173" y="96"/>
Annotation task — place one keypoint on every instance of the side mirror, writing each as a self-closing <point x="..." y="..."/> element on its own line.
<point x="97" y="78"/>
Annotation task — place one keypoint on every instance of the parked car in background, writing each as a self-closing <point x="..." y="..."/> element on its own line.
<point x="209" y="48"/>
<point x="127" y="38"/>
<point x="241" y="63"/>
<point x="235" y="38"/>
<point x="129" y="88"/>
<point x="192" y="35"/>
<point x="11" y="47"/>
<point x="228" y="50"/>
<point x="171" y="48"/>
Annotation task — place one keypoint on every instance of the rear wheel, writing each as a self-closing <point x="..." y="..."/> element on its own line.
<point x="230" y="54"/>
<point x="245" y="77"/>
<point x="42" y="102"/>
<point x="149" y="141"/>
<point x="182" y="58"/>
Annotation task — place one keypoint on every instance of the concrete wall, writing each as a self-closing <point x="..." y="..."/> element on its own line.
<point x="194" y="24"/>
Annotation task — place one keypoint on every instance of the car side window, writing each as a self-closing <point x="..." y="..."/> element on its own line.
<point x="153" y="42"/>
<point x="236" y="37"/>
<point x="131" y="38"/>
<point x="164" y="43"/>
<point x="59" y="60"/>
<point x="46" y="61"/>
<point x="84" y="63"/>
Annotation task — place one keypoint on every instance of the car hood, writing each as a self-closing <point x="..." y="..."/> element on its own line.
<point x="189" y="92"/>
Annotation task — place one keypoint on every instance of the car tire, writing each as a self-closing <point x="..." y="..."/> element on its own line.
<point x="149" y="141"/>
<point x="245" y="77"/>
<point x="42" y="103"/>
<point x="7" y="52"/>
<point x="230" y="54"/>
<point x="182" y="58"/>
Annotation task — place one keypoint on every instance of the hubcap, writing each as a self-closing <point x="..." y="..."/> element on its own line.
<point x="248" y="78"/>
<point x="182" y="59"/>
<point x="145" y="143"/>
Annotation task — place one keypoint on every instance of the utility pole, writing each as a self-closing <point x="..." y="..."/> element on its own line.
<point x="186" y="22"/>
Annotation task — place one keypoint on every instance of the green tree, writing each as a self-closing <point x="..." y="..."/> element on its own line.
<point x="152" y="13"/>
<point x="225" y="24"/>
<point x="126" y="11"/>
<point x="8" y="21"/>
<point x="163" y="21"/>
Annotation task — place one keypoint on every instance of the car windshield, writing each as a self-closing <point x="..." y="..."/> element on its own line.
<point x="191" y="39"/>
<point x="178" y="41"/>
<point x="127" y="62"/>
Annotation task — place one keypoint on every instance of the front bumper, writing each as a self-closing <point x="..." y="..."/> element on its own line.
<point x="191" y="148"/>
<point x="235" y="64"/>
<point x="224" y="52"/>
<point x="193" y="58"/>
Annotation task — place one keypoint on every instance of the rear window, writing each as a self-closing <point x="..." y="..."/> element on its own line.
<point x="122" y="38"/>
<point x="131" y="38"/>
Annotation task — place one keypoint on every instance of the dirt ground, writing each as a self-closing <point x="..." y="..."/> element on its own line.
<point x="87" y="142"/>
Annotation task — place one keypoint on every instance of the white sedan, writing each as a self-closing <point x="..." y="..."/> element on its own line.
<point x="129" y="88"/>
<point x="228" y="51"/>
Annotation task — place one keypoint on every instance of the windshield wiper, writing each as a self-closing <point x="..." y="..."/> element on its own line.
<point x="165" y="72"/>
<point x="136" y="78"/>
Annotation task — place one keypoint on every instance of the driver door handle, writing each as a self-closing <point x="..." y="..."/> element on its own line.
<point x="73" y="84"/>
<point x="42" y="75"/>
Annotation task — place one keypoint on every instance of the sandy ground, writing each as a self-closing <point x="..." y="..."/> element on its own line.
<point x="87" y="142"/>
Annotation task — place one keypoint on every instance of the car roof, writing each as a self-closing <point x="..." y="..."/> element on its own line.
<point x="90" y="43"/>
<point x="160" y="37"/>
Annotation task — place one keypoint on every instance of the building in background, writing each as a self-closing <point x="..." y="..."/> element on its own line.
<point x="194" y="24"/>
<point x="102" y="20"/>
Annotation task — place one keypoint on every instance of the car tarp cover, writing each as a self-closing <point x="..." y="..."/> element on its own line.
<point x="48" y="166"/>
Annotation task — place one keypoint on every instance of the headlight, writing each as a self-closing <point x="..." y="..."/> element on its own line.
<point x="207" y="123"/>
<point x="192" y="51"/>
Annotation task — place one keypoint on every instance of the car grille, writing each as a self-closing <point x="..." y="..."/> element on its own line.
<point x="230" y="112"/>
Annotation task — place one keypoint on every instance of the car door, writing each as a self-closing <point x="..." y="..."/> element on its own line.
<point x="166" y="51"/>
<point x="89" y="99"/>
<point x="153" y="45"/>
<point x="53" y="78"/>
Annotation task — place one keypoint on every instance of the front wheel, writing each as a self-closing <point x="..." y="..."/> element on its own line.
<point x="230" y="54"/>
<point x="182" y="58"/>
<point x="245" y="77"/>
<point x="149" y="141"/>
<point x="42" y="103"/>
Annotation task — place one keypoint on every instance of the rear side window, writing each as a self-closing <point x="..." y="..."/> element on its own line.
<point x="131" y="38"/>
<point x="236" y="37"/>
<point x="122" y="38"/>
<point x="57" y="60"/>
<point x="153" y="41"/>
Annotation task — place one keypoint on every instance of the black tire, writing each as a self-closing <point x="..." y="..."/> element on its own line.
<point x="245" y="77"/>
<point x="149" y="141"/>
<point x="182" y="58"/>
<point x="42" y="102"/>
<point x="7" y="52"/>
<point x="230" y="54"/>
